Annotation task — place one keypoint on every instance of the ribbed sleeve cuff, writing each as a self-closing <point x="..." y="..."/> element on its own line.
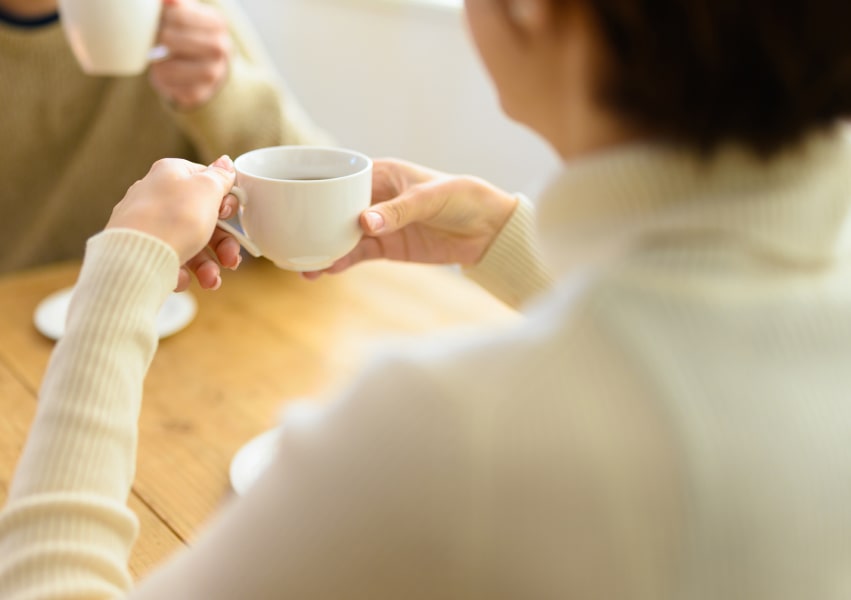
<point x="513" y="267"/>
<point x="125" y="272"/>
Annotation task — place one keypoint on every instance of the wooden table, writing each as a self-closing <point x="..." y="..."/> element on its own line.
<point x="266" y="338"/>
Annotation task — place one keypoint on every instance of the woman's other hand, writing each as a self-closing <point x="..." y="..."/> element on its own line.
<point x="422" y="215"/>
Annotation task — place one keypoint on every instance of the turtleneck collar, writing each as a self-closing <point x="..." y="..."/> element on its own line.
<point x="794" y="206"/>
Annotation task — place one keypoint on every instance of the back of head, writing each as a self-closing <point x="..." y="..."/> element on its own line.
<point x="704" y="72"/>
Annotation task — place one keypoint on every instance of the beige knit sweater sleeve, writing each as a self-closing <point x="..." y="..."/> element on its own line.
<point x="513" y="268"/>
<point x="66" y="531"/>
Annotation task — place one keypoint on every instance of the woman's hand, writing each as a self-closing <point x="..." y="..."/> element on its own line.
<point x="421" y="215"/>
<point x="179" y="203"/>
<point x="199" y="48"/>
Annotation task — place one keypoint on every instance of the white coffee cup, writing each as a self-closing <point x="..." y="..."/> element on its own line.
<point x="111" y="37"/>
<point x="300" y="205"/>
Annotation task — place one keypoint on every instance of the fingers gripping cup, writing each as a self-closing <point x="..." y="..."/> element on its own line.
<point x="299" y="206"/>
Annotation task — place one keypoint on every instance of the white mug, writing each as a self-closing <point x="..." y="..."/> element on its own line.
<point x="299" y="206"/>
<point x="111" y="37"/>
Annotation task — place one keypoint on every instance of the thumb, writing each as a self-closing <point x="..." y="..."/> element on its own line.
<point x="222" y="173"/>
<point x="415" y="205"/>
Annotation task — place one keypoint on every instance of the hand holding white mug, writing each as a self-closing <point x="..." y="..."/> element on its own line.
<point x="179" y="202"/>
<point x="426" y="216"/>
<point x="199" y="48"/>
<point x="299" y="205"/>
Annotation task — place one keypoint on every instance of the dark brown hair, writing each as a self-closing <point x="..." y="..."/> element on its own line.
<point x="703" y="72"/>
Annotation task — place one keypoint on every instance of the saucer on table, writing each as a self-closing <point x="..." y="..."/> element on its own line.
<point x="256" y="455"/>
<point x="252" y="459"/>
<point x="177" y="312"/>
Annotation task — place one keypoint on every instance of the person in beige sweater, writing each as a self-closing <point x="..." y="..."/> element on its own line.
<point x="671" y="420"/>
<point x="73" y="143"/>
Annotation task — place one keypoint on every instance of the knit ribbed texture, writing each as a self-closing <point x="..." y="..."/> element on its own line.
<point x="67" y="507"/>
<point x="624" y="196"/>
<point x="513" y="269"/>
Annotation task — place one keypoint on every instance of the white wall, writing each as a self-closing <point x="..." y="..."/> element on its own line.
<point x="392" y="78"/>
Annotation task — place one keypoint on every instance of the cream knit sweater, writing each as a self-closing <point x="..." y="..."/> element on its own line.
<point x="671" y="421"/>
<point x="73" y="144"/>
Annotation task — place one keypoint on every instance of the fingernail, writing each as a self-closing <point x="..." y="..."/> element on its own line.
<point x="225" y="212"/>
<point x="218" y="283"/>
<point x="374" y="221"/>
<point x="224" y="162"/>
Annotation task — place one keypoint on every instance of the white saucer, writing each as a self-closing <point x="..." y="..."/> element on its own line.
<point x="177" y="312"/>
<point x="251" y="460"/>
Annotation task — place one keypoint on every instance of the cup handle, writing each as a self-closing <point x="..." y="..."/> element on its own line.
<point x="243" y="239"/>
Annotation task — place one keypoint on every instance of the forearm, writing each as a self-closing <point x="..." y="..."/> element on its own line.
<point x="513" y="267"/>
<point x="66" y="525"/>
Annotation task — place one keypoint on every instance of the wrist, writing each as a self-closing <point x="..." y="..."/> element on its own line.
<point x="497" y="205"/>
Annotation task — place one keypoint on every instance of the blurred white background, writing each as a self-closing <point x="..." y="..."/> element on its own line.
<point x="400" y="78"/>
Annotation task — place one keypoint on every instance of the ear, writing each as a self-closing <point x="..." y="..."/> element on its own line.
<point x="529" y="15"/>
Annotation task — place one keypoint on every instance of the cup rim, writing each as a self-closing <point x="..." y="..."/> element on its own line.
<point x="291" y="147"/>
